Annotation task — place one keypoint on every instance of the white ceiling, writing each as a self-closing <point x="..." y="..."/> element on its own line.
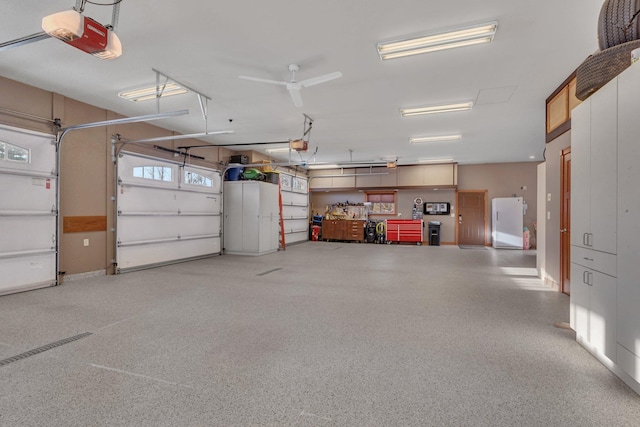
<point x="206" y="45"/>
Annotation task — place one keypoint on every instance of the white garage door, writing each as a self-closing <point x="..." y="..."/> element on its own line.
<point x="167" y="212"/>
<point x="28" y="212"/>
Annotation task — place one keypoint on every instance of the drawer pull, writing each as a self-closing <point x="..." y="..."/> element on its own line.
<point x="588" y="259"/>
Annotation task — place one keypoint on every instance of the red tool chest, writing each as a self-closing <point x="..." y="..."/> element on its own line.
<point x="404" y="230"/>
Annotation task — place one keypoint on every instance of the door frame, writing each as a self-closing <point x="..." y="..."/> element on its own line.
<point x="486" y="222"/>
<point x="565" y="250"/>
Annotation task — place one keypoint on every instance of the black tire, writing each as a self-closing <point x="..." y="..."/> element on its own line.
<point x="601" y="67"/>
<point x="615" y="25"/>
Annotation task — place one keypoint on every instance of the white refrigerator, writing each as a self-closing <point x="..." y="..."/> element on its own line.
<point x="507" y="219"/>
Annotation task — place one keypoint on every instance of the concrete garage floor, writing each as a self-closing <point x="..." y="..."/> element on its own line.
<point x="320" y="334"/>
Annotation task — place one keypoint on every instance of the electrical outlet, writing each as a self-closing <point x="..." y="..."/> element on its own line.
<point x="86" y="242"/>
<point x="548" y="197"/>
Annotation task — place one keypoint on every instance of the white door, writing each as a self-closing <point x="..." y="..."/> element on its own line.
<point x="28" y="210"/>
<point x="167" y="212"/>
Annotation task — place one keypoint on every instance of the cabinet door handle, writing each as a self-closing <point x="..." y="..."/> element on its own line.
<point x="590" y="279"/>
<point x="584" y="239"/>
<point x="585" y="277"/>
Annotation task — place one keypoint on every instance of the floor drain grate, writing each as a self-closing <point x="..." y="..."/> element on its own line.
<point x="268" y="272"/>
<point x="43" y="349"/>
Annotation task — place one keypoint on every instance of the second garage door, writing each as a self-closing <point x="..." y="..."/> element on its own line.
<point x="167" y="212"/>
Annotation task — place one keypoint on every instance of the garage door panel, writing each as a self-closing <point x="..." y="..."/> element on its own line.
<point x="25" y="193"/>
<point x="289" y="198"/>
<point x="136" y="199"/>
<point x="27" y="272"/>
<point x="299" y="236"/>
<point x="27" y="210"/>
<point x="297" y="225"/>
<point x="135" y="257"/>
<point x="145" y="228"/>
<point x="295" y="212"/>
<point x="23" y="233"/>
<point x="140" y="199"/>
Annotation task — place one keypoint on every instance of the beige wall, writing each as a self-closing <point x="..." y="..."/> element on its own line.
<point x="552" y="233"/>
<point x="504" y="180"/>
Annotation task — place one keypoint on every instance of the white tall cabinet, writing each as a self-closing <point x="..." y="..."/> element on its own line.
<point x="628" y="321"/>
<point x="251" y="217"/>
<point x="605" y="220"/>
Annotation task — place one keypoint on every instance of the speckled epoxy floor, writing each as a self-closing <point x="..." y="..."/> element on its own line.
<point x="343" y="334"/>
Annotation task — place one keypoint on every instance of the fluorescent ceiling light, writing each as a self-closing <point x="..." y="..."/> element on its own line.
<point x="278" y="150"/>
<point x="435" y="161"/>
<point x="150" y="92"/>
<point x="435" y="109"/>
<point x="467" y="36"/>
<point x="320" y="166"/>
<point x="420" y="139"/>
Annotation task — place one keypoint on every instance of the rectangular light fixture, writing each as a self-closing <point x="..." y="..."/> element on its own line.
<point x="435" y="161"/>
<point x="150" y="92"/>
<point x="467" y="36"/>
<point x="420" y="139"/>
<point x="278" y="150"/>
<point x="322" y="166"/>
<point x="435" y="109"/>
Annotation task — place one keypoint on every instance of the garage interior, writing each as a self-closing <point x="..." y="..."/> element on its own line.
<point x="164" y="258"/>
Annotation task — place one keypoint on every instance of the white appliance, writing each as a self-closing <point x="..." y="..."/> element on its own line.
<point x="507" y="220"/>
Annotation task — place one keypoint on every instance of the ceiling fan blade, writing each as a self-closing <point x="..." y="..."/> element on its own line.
<point x="320" y="79"/>
<point x="256" y="79"/>
<point x="295" y="95"/>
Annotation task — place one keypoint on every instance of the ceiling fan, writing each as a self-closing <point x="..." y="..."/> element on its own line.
<point x="294" y="86"/>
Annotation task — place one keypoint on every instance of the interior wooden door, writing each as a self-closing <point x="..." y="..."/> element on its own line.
<point x="472" y="220"/>
<point x="565" y="222"/>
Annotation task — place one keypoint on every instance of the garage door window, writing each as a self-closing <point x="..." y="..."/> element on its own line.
<point x="197" y="179"/>
<point x="156" y="173"/>
<point x="14" y="153"/>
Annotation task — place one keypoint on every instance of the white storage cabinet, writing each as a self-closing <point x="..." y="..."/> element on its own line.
<point x="251" y="217"/>
<point x="605" y="221"/>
